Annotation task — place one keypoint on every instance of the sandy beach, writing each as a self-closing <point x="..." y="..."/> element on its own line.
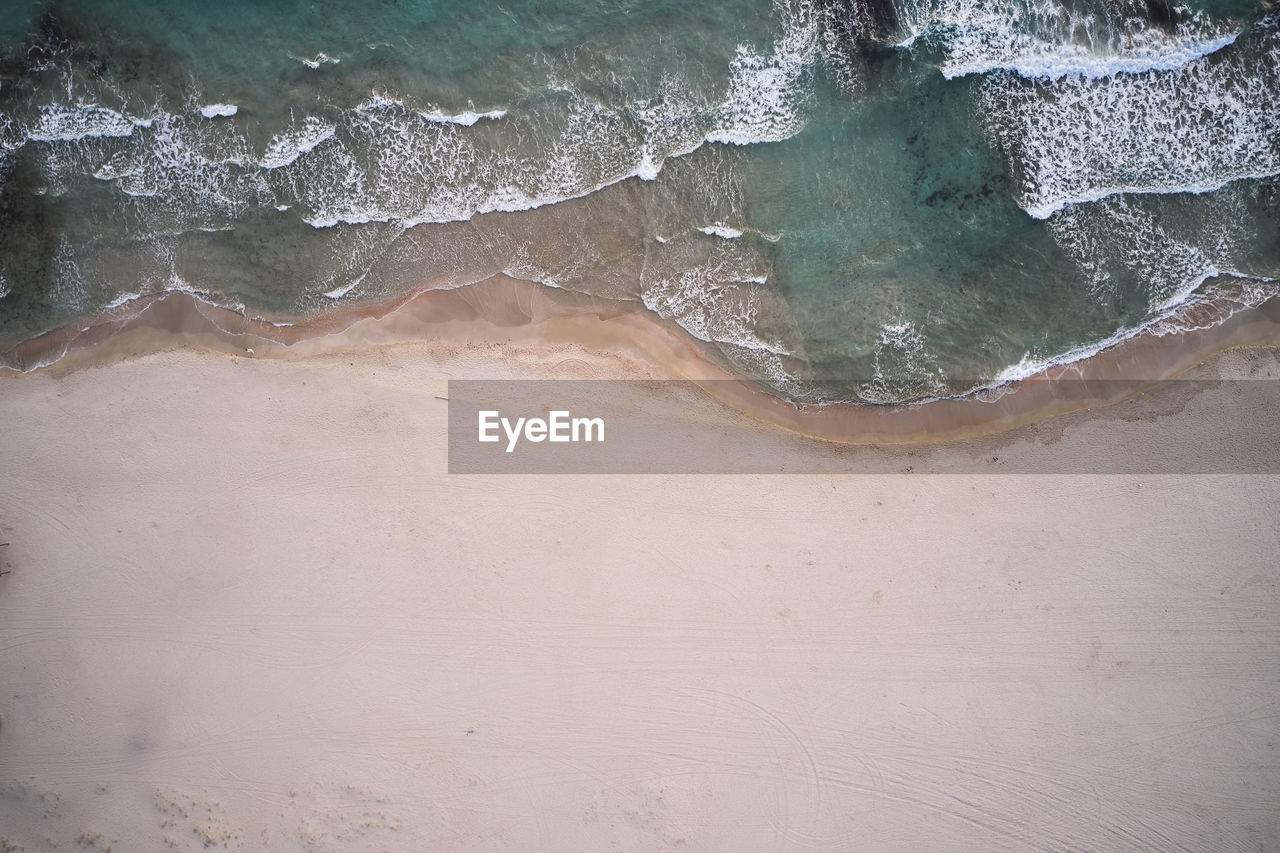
<point x="742" y="425"/>
<point x="246" y="607"/>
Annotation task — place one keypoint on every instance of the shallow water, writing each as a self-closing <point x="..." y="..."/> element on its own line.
<point x="842" y="200"/>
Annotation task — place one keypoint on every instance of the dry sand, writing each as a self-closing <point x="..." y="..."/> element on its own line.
<point x="247" y="608"/>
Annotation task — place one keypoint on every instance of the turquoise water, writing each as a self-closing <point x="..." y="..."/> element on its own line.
<point x="860" y="201"/>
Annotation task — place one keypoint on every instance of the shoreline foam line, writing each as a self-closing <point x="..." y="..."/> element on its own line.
<point x="501" y="311"/>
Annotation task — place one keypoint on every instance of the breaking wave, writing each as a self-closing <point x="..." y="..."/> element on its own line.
<point x="1189" y="130"/>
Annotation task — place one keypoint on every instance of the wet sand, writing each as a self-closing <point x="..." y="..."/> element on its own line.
<point x="503" y="311"/>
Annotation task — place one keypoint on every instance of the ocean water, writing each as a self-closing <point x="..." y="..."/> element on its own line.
<point x="877" y="200"/>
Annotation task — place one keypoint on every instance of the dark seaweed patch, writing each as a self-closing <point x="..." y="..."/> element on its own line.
<point x="29" y="235"/>
<point x="964" y="197"/>
<point x="1162" y="14"/>
<point x="855" y="22"/>
<point x="54" y="41"/>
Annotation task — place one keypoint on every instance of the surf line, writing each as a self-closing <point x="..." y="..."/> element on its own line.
<point x="558" y="426"/>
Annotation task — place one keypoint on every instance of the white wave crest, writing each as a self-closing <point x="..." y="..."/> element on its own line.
<point x="194" y="171"/>
<point x="343" y="290"/>
<point x="904" y="368"/>
<point x="122" y="298"/>
<point x="316" y="61"/>
<point x="767" y="95"/>
<point x="284" y="148"/>
<point x="1043" y="38"/>
<point x="12" y="136"/>
<point x="400" y="164"/>
<point x="1117" y="239"/>
<point x="718" y="301"/>
<point x="378" y="101"/>
<point x="466" y="118"/>
<point x="1194" y="129"/>
<point x="382" y="102"/>
<point x="1178" y="318"/>
<point x="219" y="110"/>
<point x="727" y="314"/>
<point x="649" y="167"/>
<point x="391" y="159"/>
<point x="721" y="230"/>
<point x="59" y="123"/>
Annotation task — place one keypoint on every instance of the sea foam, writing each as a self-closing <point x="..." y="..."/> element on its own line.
<point x="68" y="123"/>
<point x="767" y="94"/>
<point x="721" y="230"/>
<point x="284" y="148"/>
<point x="1044" y="39"/>
<point x="219" y="110"/>
<point x="1193" y="129"/>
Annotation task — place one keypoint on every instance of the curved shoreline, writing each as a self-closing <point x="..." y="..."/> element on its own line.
<point x="508" y="312"/>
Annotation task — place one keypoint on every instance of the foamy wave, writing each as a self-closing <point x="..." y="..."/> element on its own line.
<point x="466" y="118"/>
<point x="761" y="106"/>
<point x="285" y="148"/>
<point x="722" y="230"/>
<point x="649" y="167"/>
<point x="1193" y="129"/>
<point x="904" y="368"/>
<point x="392" y="163"/>
<point x="1118" y="241"/>
<point x="58" y="123"/>
<point x="339" y="292"/>
<point x="12" y="136"/>
<point x="219" y="110"/>
<point x="385" y="102"/>
<point x="767" y="95"/>
<point x="388" y="159"/>
<point x="1074" y="60"/>
<point x="1041" y="38"/>
<point x="187" y="174"/>
<point x="718" y="301"/>
<point x="316" y="61"/>
<point x="113" y="169"/>
<point x="121" y="299"/>
<point x="409" y="166"/>
<point x="729" y="315"/>
<point x="1174" y="319"/>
